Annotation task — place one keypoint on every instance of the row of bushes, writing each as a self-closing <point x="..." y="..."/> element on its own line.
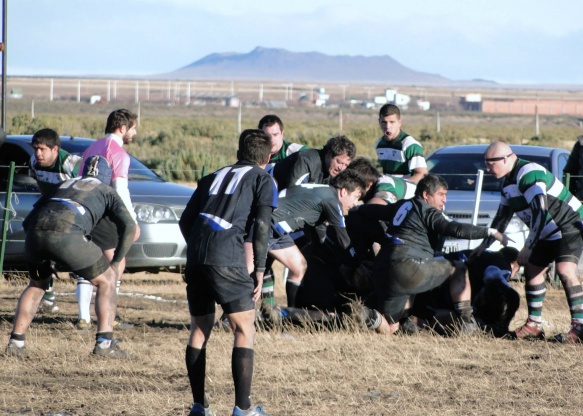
<point x="180" y="146"/>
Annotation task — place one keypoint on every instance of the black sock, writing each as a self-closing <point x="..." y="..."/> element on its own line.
<point x="196" y="367"/>
<point x="464" y="310"/>
<point x="17" y="337"/>
<point x="242" y="369"/>
<point x="103" y="336"/>
<point x="291" y="290"/>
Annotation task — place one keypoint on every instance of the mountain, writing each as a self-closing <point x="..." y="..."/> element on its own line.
<point x="267" y="64"/>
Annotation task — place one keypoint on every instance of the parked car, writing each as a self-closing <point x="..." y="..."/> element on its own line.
<point x="157" y="203"/>
<point x="459" y="165"/>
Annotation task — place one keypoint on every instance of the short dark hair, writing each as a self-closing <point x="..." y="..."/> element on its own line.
<point x="119" y="118"/>
<point x="365" y="169"/>
<point x="338" y="145"/>
<point x="510" y="253"/>
<point x="349" y="180"/>
<point x="48" y="137"/>
<point x="388" y="110"/>
<point x="254" y="146"/>
<point x="430" y="183"/>
<point x="269" y="120"/>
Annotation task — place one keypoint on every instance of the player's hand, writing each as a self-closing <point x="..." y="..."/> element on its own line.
<point x="117" y="269"/>
<point x="258" y="279"/>
<point x="137" y="233"/>
<point x="502" y="238"/>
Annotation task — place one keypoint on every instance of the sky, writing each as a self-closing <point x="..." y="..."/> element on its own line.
<point x="507" y="41"/>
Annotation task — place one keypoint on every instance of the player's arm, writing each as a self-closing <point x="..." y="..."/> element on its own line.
<point x="261" y="236"/>
<point x="333" y="215"/>
<point x="300" y="172"/>
<point x="539" y="209"/>
<point x="416" y="162"/>
<point x="260" y="245"/>
<point x="377" y="212"/>
<point x="126" y="227"/>
<point x="189" y="215"/>
<point x="435" y="221"/>
<point x="121" y="167"/>
<point x="417" y="174"/>
<point x="500" y="222"/>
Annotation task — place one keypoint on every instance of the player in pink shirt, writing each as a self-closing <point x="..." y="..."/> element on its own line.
<point x="119" y="130"/>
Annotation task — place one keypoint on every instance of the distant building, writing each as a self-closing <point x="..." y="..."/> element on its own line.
<point x="321" y="97"/>
<point x="393" y="97"/>
<point x="472" y="102"/>
<point x="423" y="105"/>
<point x="16" y="93"/>
<point x="232" y="102"/>
<point x="544" y="107"/>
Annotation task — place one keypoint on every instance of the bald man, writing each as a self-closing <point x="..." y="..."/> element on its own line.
<point x="554" y="217"/>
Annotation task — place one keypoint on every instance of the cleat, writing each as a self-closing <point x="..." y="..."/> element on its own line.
<point x="409" y="327"/>
<point x="48" y="306"/>
<point x="199" y="410"/>
<point x="119" y="324"/>
<point x="573" y="336"/>
<point x="529" y="331"/>
<point x="113" y="351"/>
<point x="15" y="351"/>
<point x="469" y="328"/>
<point x="252" y="411"/>
<point x="83" y="325"/>
<point x="271" y="316"/>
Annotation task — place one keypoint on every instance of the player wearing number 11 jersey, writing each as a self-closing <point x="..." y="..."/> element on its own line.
<point x="218" y="217"/>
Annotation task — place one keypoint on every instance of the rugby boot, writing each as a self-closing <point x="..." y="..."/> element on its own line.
<point x="252" y="411"/>
<point x="573" y="336"/>
<point x="83" y="325"/>
<point x="16" y="351"/>
<point x="199" y="410"/>
<point x="529" y="331"/>
<point x="111" y="351"/>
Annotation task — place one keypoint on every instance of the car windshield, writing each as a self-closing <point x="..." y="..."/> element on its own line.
<point x="460" y="170"/>
<point x="138" y="171"/>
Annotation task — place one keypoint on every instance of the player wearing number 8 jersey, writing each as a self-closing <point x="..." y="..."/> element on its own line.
<point x="406" y="264"/>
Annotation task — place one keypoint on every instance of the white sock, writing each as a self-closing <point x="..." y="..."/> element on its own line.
<point x="84" y="293"/>
<point x="16" y="342"/>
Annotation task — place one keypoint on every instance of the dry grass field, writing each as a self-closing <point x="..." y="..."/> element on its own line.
<point x="298" y="372"/>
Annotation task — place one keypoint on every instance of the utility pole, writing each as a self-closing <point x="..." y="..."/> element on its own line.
<point x="3" y="51"/>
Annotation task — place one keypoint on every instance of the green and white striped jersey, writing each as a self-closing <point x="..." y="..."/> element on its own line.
<point x="392" y="188"/>
<point x="400" y="156"/>
<point x="525" y="182"/>
<point x="64" y="167"/>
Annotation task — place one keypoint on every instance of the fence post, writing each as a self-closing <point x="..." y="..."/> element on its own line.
<point x="567" y="180"/>
<point x="204" y="170"/>
<point x="7" y="209"/>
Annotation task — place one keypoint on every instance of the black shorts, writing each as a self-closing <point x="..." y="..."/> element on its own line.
<point x="73" y="250"/>
<point x="105" y="234"/>
<point x="396" y="280"/>
<point x="566" y="249"/>
<point x="279" y="243"/>
<point x="230" y="287"/>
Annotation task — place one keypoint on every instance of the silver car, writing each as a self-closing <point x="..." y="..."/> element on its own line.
<point x="459" y="166"/>
<point x="158" y="205"/>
